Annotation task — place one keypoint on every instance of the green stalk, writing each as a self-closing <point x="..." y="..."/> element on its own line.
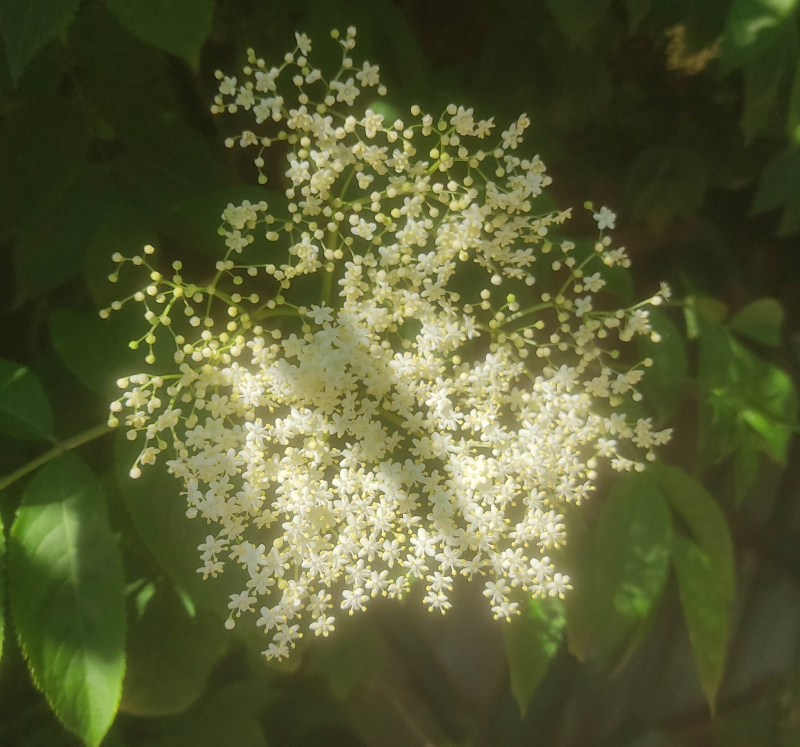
<point x="58" y="450"/>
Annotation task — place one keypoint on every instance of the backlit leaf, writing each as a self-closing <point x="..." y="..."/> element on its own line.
<point x="632" y="539"/>
<point x="532" y="639"/>
<point x="67" y="597"/>
<point x="705" y="520"/>
<point x="706" y="608"/>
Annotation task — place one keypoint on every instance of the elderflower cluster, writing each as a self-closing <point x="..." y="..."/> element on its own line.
<point x="430" y="414"/>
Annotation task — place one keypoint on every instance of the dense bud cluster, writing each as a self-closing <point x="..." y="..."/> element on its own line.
<point x="418" y="421"/>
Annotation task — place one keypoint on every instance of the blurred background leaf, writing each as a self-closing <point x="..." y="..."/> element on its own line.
<point x="681" y="116"/>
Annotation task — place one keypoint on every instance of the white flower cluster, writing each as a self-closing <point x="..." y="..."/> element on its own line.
<point x="398" y="429"/>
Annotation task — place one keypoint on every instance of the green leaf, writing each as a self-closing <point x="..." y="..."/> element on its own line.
<point x="532" y="639"/>
<point x="177" y="26"/>
<point x="578" y="561"/>
<point x="166" y="171"/>
<point x="746" y="466"/>
<point x="578" y="20"/>
<point x="790" y="218"/>
<point x="663" y="382"/>
<point x="760" y="321"/>
<point x="171" y="651"/>
<point x="774" y="434"/>
<point x="27" y="26"/>
<point x="50" y="252"/>
<point x="751" y="28"/>
<point x="125" y="230"/>
<point x="106" y="52"/>
<point x="664" y="183"/>
<point x="24" y="410"/>
<point x="67" y="596"/>
<point x="743" y="392"/>
<point x="637" y="12"/>
<point x="779" y="186"/>
<point x="706" y="608"/>
<point x="93" y="349"/>
<point x="632" y="542"/>
<point x="40" y="156"/>
<point x="158" y="511"/>
<point x="705" y="520"/>
<point x="762" y="80"/>
<point x="793" y="122"/>
<point x="780" y="182"/>
<point x="2" y="585"/>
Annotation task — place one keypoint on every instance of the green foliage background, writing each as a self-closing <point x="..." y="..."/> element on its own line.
<point x="684" y="625"/>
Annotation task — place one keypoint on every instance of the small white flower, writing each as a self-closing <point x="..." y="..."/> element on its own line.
<point x="605" y="218"/>
<point x="321" y="314"/>
<point x="368" y="75"/>
<point x="303" y="44"/>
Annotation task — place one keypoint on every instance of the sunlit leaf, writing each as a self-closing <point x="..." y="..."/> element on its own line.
<point x="67" y="597"/>
<point x="24" y="410"/>
<point x="742" y="390"/>
<point x="532" y="639"/>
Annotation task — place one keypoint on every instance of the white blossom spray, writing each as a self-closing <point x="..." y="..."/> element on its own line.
<point x="435" y="409"/>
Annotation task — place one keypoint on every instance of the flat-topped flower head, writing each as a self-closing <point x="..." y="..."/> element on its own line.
<point x="453" y="385"/>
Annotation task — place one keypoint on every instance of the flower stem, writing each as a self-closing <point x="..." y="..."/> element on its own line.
<point x="327" y="286"/>
<point x="58" y="450"/>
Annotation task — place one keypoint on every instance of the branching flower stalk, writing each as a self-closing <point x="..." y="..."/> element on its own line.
<point x="432" y="414"/>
